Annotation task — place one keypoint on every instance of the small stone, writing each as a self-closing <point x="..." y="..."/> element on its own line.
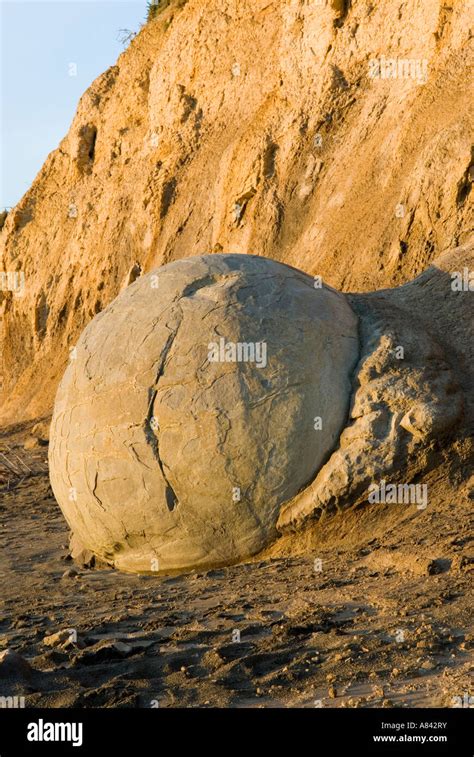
<point x="13" y="665"/>
<point x="41" y="432"/>
<point x="109" y="650"/>
<point x="125" y="649"/>
<point x="59" y="639"/>
<point x="428" y="665"/>
<point x="20" y="624"/>
<point x="70" y="573"/>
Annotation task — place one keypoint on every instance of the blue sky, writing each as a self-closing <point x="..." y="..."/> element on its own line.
<point x="38" y="97"/>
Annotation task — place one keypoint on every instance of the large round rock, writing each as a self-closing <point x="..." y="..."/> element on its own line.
<point x="189" y="411"/>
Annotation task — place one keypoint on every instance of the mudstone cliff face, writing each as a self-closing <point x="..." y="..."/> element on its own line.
<point x="334" y="136"/>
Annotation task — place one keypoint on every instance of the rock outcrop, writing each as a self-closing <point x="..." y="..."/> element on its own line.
<point x="413" y="386"/>
<point x="222" y="400"/>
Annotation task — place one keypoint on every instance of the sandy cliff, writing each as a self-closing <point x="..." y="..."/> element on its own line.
<point x="272" y="128"/>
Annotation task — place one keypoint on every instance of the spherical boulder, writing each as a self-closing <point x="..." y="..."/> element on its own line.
<point x="206" y="395"/>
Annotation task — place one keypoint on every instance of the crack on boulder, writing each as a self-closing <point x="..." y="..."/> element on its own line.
<point x="205" y="281"/>
<point x="150" y="435"/>
<point x="94" y="491"/>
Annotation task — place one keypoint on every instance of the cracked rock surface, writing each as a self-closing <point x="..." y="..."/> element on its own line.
<point x="412" y="389"/>
<point x="164" y="459"/>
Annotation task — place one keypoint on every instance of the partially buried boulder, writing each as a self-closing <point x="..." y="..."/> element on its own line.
<point x="190" y="412"/>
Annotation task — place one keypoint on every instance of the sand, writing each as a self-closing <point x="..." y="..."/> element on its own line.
<point x="372" y="610"/>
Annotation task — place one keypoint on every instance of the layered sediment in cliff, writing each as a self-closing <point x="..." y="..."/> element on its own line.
<point x="333" y="136"/>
